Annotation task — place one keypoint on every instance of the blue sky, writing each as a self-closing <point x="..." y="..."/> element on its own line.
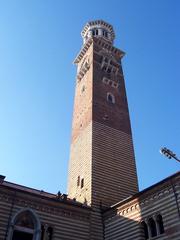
<point x="38" y="43"/>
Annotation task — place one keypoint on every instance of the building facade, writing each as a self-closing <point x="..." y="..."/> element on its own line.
<point x="103" y="200"/>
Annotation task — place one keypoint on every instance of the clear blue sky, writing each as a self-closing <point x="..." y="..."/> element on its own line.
<point x="38" y="43"/>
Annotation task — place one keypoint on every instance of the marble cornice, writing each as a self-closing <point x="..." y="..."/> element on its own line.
<point x="117" y="52"/>
<point x="138" y="203"/>
<point x="83" y="51"/>
<point x="58" y="208"/>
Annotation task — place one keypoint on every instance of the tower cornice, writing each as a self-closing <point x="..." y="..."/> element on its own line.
<point x="117" y="52"/>
<point x="83" y="51"/>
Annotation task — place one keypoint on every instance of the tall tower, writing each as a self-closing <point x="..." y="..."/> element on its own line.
<point x="102" y="165"/>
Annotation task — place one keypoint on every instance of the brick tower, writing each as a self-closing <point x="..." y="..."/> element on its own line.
<point x="102" y="167"/>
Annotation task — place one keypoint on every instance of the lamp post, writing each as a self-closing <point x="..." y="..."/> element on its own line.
<point x="168" y="153"/>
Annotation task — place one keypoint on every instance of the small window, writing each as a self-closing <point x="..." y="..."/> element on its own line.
<point x="110" y="98"/>
<point x="145" y="230"/>
<point x="78" y="181"/>
<point x="104" y="68"/>
<point x="160" y="224"/>
<point x="93" y="32"/>
<point x="82" y="89"/>
<point x="96" y="31"/>
<point x="109" y="70"/>
<point x="82" y="182"/>
<point x="152" y="227"/>
<point x="106" y="34"/>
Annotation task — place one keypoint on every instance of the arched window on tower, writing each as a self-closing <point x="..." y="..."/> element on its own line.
<point x="152" y="227"/>
<point x="160" y="224"/>
<point x="105" y="33"/>
<point x="145" y="230"/>
<point x="110" y="98"/>
<point x="95" y="32"/>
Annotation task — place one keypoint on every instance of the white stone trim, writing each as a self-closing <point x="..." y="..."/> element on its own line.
<point x="37" y="224"/>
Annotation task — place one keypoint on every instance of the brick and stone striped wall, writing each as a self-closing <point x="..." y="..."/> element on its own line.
<point x="81" y="166"/>
<point x="67" y="219"/>
<point x="113" y="165"/>
<point x="124" y="220"/>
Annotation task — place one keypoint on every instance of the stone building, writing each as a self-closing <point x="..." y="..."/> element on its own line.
<point x="103" y="201"/>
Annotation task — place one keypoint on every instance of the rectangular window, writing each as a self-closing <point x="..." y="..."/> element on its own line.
<point x="78" y="181"/>
<point x="82" y="182"/>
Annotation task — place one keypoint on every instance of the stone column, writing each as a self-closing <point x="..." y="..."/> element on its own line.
<point x="100" y="32"/>
<point x="90" y="33"/>
<point x="157" y="225"/>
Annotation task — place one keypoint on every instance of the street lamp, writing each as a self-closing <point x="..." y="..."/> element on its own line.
<point x="168" y="153"/>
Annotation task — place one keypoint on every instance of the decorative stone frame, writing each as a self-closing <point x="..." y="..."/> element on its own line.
<point x="36" y="221"/>
<point x="157" y="227"/>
